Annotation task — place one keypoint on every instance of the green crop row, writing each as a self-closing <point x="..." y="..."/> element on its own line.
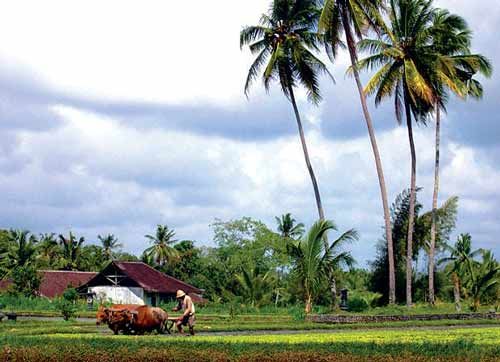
<point x="471" y="343"/>
<point x="35" y="327"/>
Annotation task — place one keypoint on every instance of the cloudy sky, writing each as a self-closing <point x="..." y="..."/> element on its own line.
<point x="116" y="116"/>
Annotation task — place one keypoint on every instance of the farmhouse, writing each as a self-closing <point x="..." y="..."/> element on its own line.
<point x="135" y="283"/>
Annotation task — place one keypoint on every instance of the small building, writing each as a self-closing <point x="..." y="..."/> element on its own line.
<point x="54" y="282"/>
<point x="127" y="282"/>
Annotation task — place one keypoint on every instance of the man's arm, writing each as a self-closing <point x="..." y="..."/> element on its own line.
<point x="179" y="307"/>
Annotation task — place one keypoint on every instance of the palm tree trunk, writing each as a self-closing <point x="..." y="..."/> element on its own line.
<point x="378" y="162"/>
<point x="434" y="209"/>
<point x="456" y="291"/>
<point x="333" y="289"/>
<point x="308" y="307"/>
<point x="411" y="212"/>
<point x="306" y="155"/>
<point x="319" y="205"/>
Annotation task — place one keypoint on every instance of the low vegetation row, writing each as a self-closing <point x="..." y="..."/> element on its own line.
<point x="235" y="325"/>
<point x="466" y="344"/>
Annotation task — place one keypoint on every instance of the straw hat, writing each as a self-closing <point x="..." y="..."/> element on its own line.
<point x="180" y="294"/>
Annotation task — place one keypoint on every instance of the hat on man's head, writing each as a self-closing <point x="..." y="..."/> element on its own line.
<point x="180" y="294"/>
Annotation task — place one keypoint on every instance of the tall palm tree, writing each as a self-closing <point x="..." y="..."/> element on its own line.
<point x="406" y="61"/>
<point x="71" y="250"/>
<point x="288" y="227"/>
<point x="283" y="44"/>
<point x="162" y="249"/>
<point x="353" y="18"/>
<point x="109" y="245"/>
<point x="312" y="262"/>
<point x="456" y="67"/>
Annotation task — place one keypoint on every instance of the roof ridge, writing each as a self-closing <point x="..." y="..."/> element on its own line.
<point x="66" y="271"/>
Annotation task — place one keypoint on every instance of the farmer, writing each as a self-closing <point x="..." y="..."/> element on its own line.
<point x="187" y="318"/>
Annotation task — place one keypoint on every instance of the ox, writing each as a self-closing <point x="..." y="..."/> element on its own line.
<point x="103" y="313"/>
<point x="140" y="320"/>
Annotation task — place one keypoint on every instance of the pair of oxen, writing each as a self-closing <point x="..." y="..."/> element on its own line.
<point x="132" y="318"/>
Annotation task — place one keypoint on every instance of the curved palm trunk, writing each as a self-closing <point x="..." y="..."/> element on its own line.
<point x="378" y="162"/>
<point x="434" y="209"/>
<point x="411" y="212"/>
<point x="306" y="155"/>
<point x="333" y="286"/>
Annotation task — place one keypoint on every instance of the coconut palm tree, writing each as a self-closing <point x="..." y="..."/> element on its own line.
<point x="462" y="260"/>
<point x="19" y="250"/>
<point x="48" y="251"/>
<point x="162" y="250"/>
<point x="354" y="18"/>
<point x="255" y="284"/>
<point x="406" y="59"/>
<point x="313" y="263"/>
<point x="71" y="250"/>
<point x="288" y="227"/>
<point x="283" y="43"/>
<point x="456" y="67"/>
<point x="485" y="277"/>
<point x="109" y="245"/>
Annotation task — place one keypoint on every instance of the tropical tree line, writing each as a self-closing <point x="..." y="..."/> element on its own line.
<point x="420" y="55"/>
<point x="255" y="265"/>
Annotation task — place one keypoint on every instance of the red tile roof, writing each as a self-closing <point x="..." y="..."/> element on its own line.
<point x="54" y="282"/>
<point x="152" y="280"/>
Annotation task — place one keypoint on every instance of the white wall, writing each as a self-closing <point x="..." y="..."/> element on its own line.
<point x="119" y="295"/>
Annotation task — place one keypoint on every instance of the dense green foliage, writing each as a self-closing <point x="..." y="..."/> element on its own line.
<point x="399" y="219"/>
<point x="252" y="267"/>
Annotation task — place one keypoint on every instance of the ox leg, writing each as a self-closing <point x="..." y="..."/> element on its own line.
<point x="170" y="325"/>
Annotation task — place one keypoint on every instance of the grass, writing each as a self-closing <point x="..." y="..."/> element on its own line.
<point x="23" y="342"/>
<point x="36" y="327"/>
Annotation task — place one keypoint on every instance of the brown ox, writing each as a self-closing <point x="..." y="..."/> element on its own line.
<point x="141" y="320"/>
<point x="103" y="313"/>
<point x="120" y="320"/>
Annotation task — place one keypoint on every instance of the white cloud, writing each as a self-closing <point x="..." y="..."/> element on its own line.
<point x="97" y="175"/>
<point x="168" y="51"/>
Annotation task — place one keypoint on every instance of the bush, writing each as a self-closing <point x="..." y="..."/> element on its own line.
<point x="67" y="304"/>
<point x="357" y="304"/>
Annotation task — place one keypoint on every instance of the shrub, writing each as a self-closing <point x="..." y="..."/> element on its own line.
<point x="357" y="304"/>
<point x="67" y="304"/>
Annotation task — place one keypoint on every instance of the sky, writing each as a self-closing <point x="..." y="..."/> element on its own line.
<point x="117" y="116"/>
